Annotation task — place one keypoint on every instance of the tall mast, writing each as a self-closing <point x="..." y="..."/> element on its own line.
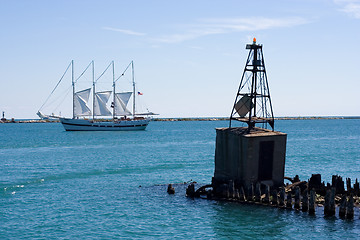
<point x="73" y="86"/>
<point x="113" y="70"/>
<point x="133" y="80"/>
<point x="93" y="77"/>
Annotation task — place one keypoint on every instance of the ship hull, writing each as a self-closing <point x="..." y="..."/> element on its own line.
<point x="87" y="125"/>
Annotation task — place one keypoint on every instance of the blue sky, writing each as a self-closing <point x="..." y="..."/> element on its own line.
<point x="188" y="55"/>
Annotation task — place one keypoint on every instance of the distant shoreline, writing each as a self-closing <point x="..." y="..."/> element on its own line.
<point x="185" y="119"/>
<point x="227" y="119"/>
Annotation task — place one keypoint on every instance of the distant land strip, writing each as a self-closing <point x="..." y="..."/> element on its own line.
<point x="227" y="119"/>
<point x="184" y="119"/>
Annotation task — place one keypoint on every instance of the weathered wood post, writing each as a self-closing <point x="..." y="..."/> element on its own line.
<point x="315" y="182"/>
<point x="274" y="197"/>
<point x="170" y="189"/>
<point x="312" y="202"/>
<point x="190" y="190"/>
<point x="348" y="185"/>
<point x="329" y="208"/>
<point x="288" y="200"/>
<point x="327" y="202"/>
<point x="297" y="198"/>
<point x="338" y="184"/>
<point x="305" y="201"/>
<point x="350" y="207"/>
<point x="296" y="179"/>
<point x="342" y="207"/>
<point x="332" y="200"/>
<point x="282" y="197"/>
<point x="356" y="187"/>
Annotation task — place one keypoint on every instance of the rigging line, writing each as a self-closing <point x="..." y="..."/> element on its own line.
<point x="123" y="72"/>
<point x="83" y="72"/>
<point x="112" y="62"/>
<point x="67" y="93"/>
<point x="55" y="86"/>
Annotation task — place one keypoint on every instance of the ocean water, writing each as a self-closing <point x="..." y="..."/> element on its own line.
<point x="110" y="185"/>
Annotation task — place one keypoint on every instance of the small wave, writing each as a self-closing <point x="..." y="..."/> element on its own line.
<point x="10" y="188"/>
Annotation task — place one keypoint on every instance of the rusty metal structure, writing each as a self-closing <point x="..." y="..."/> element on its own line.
<point x="253" y="103"/>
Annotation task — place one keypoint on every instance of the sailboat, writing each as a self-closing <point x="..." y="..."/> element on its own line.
<point x="97" y="119"/>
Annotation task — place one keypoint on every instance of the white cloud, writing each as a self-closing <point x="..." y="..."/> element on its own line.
<point x="254" y="24"/>
<point x="351" y="7"/>
<point x="228" y="25"/>
<point x="196" y="47"/>
<point x="125" y="31"/>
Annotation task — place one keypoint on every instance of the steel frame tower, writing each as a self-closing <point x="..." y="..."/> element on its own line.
<point x="253" y="103"/>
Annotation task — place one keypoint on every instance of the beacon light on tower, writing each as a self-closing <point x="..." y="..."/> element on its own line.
<point x="253" y="103"/>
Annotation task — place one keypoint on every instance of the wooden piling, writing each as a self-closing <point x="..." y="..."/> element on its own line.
<point x="305" y="201"/>
<point x="327" y="202"/>
<point x="296" y="179"/>
<point x="190" y="190"/>
<point x="303" y="198"/>
<point x="315" y="182"/>
<point x="350" y="207"/>
<point x="312" y="202"/>
<point x="297" y="198"/>
<point x="348" y="185"/>
<point x="332" y="200"/>
<point x="338" y="184"/>
<point x="274" y="197"/>
<point x="356" y="188"/>
<point x="282" y="197"/>
<point x="289" y="200"/>
<point x="329" y="208"/>
<point x="170" y="189"/>
<point x="342" y="207"/>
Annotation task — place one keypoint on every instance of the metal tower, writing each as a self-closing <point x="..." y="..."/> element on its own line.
<point x="252" y="103"/>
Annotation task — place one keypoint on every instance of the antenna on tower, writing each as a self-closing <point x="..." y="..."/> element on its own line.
<point x="253" y="103"/>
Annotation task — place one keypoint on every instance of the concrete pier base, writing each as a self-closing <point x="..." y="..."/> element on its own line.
<point x="249" y="157"/>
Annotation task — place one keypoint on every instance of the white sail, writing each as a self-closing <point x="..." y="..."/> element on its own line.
<point x="81" y="99"/>
<point x="121" y="101"/>
<point x="100" y="108"/>
<point x="124" y="96"/>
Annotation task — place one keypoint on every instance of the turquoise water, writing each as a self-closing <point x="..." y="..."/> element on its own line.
<point x="108" y="185"/>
